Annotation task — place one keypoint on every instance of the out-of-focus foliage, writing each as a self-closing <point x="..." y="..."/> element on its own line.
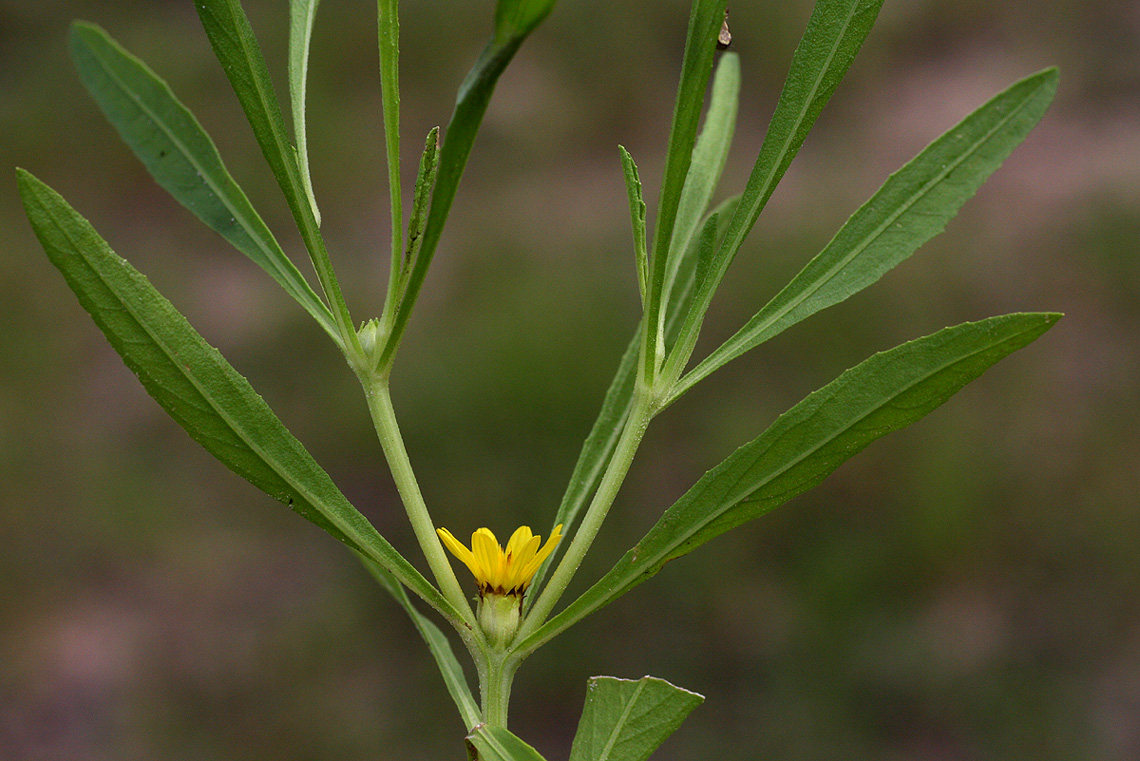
<point x="964" y="589"/>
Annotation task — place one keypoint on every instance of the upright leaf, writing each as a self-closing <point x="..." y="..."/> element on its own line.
<point x="704" y="25"/>
<point x="425" y="181"/>
<point x="514" y="20"/>
<point x="302" y="13"/>
<point x="834" y="34"/>
<point x="490" y="743"/>
<point x="198" y="388"/>
<point x="637" y="219"/>
<point x="626" y="720"/>
<point x="388" y="38"/>
<point x="883" y="394"/>
<point x="181" y="156"/>
<point x="912" y="207"/>
<point x="236" y="48"/>
<point x="709" y="157"/>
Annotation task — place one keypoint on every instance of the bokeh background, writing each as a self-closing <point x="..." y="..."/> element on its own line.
<point x="966" y="589"/>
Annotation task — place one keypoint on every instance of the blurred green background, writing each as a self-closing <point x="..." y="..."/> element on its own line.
<point x="966" y="589"/>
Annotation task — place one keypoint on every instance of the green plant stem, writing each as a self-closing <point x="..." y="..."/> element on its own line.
<point x="388" y="27"/>
<point x="384" y="419"/>
<point x="640" y="414"/>
<point x="495" y="688"/>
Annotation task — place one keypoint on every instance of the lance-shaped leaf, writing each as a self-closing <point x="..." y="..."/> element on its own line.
<point x="882" y="394"/>
<point x="705" y="22"/>
<point x="709" y="157"/>
<point x="490" y="743"/>
<point x="834" y="34"/>
<point x="436" y="640"/>
<point x="626" y="720"/>
<point x="302" y="14"/>
<point x="909" y="209"/>
<point x="198" y="388"/>
<point x="172" y="145"/>
<point x="236" y="48"/>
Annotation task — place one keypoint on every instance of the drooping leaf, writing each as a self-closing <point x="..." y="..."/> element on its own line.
<point x="912" y="207"/>
<point x="834" y="34"/>
<point x="490" y="743"/>
<point x="437" y="643"/>
<point x="302" y="14"/>
<point x="804" y="445"/>
<point x="181" y="156"/>
<point x="626" y="720"/>
<point x="198" y="388"/>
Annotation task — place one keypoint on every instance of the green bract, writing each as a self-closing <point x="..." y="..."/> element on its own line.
<point x="679" y="264"/>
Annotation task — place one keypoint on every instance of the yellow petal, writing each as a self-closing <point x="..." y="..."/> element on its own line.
<point x="519" y="539"/>
<point x="487" y="552"/>
<point x="533" y="563"/>
<point x="458" y="550"/>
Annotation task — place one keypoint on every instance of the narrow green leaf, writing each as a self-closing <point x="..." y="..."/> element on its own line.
<point x="425" y="181"/>
<point x="437" y="643"/>
<point x="302" y="14"/>
<point x="198" y="388"/>
<point x="491" y="743"/>
<point x="637" y="218"/>
<point x="181" y="156"/>
<point x="599" y="445"/>
<point x="883" y="394"/>
<point x="626" y="720"/>
<point x="515" y="19"/>
<point x="834" y="34"/>
<point x="704" y="25"/>
<point x="912" y="207"/>
<point x="388" y="37"/>
<point x="236" y="48"/>
<point x="709" y="157"/>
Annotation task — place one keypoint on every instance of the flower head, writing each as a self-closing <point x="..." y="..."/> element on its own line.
<point x="499" y="571"/>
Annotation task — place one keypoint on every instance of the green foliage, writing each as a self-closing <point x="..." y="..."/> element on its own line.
<point x="912" y="207"/>
<point x="626" y="720"/>
<point x="449" y="666"/>
<point x="197" y="387"/>
<point x="882" y="394"/>
<point x="237" y="50"/>
<point x="182" y="158"/>
<point x="302" y="14"/>
<point x="835" y="32"/>
<point x="678" y="274"/>
<point x="488" y="742"/>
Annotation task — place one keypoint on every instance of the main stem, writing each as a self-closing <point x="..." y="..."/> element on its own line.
<point x="496" y="688"/>
<point x="384" y="419"/>
<point x="638" y="420"/>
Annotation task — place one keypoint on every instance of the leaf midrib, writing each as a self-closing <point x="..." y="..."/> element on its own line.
<point x="731" y="348"/>
<point x="206" y="175"/>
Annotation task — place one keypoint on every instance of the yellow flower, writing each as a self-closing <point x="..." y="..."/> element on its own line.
<point x="502" y="572"/>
